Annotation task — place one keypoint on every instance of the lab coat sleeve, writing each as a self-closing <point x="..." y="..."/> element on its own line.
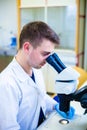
<point x="8" y="107"/>
<point x="50" y="104"/>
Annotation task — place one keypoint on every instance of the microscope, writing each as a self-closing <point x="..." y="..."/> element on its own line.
<point x="66" y="88"/>
<point x="66" y="84"/>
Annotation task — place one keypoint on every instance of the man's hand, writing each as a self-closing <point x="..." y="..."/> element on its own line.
<point x="68" y="115"/>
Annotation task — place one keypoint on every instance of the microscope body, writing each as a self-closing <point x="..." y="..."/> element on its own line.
<point x="66" y="84"/>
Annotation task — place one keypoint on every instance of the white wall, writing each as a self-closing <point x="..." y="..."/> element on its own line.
<point x="8" y="19"/>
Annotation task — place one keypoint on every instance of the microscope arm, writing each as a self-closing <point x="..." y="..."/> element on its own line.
<point x="79" y="96"/>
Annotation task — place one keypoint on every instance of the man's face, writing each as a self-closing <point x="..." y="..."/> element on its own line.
<point x="37" y="56"/>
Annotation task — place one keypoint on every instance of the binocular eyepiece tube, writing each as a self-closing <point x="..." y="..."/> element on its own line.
<point x="55" y="61"/>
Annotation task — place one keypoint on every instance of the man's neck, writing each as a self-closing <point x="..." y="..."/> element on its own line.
<point x="21" y="59"/>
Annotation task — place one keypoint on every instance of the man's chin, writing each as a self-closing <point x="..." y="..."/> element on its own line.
<point x="38" y="67"/>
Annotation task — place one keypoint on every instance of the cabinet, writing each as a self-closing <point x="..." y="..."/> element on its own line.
<point x="61" y="16"/>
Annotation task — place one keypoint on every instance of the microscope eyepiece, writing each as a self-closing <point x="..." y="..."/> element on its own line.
<point x="55" y="61"/>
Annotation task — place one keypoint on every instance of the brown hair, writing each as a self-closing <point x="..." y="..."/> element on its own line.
<point x="35" y="32"/>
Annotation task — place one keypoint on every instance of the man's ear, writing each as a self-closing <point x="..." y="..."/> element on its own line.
<point x="26" y="46"/>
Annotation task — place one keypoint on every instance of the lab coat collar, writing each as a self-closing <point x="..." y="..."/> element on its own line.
<point x="23" y="76"/>
<point x="19" y="72"/>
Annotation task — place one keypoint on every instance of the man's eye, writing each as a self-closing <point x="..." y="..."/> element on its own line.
<point x="45" y="54"/>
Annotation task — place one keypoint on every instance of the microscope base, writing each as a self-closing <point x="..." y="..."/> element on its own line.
<point x="53" y="122"/>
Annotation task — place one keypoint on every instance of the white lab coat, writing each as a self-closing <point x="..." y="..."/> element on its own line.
<point x="21" y="98"/>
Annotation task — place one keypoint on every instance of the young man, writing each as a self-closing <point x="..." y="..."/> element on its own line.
<point x="22" y="91"/>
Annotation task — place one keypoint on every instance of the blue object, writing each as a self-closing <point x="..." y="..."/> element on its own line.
<point x="56" y="98"/>
<point x="55" y="62"/>
<point x="68" y="115"/>
<point x="13" y="41"/>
